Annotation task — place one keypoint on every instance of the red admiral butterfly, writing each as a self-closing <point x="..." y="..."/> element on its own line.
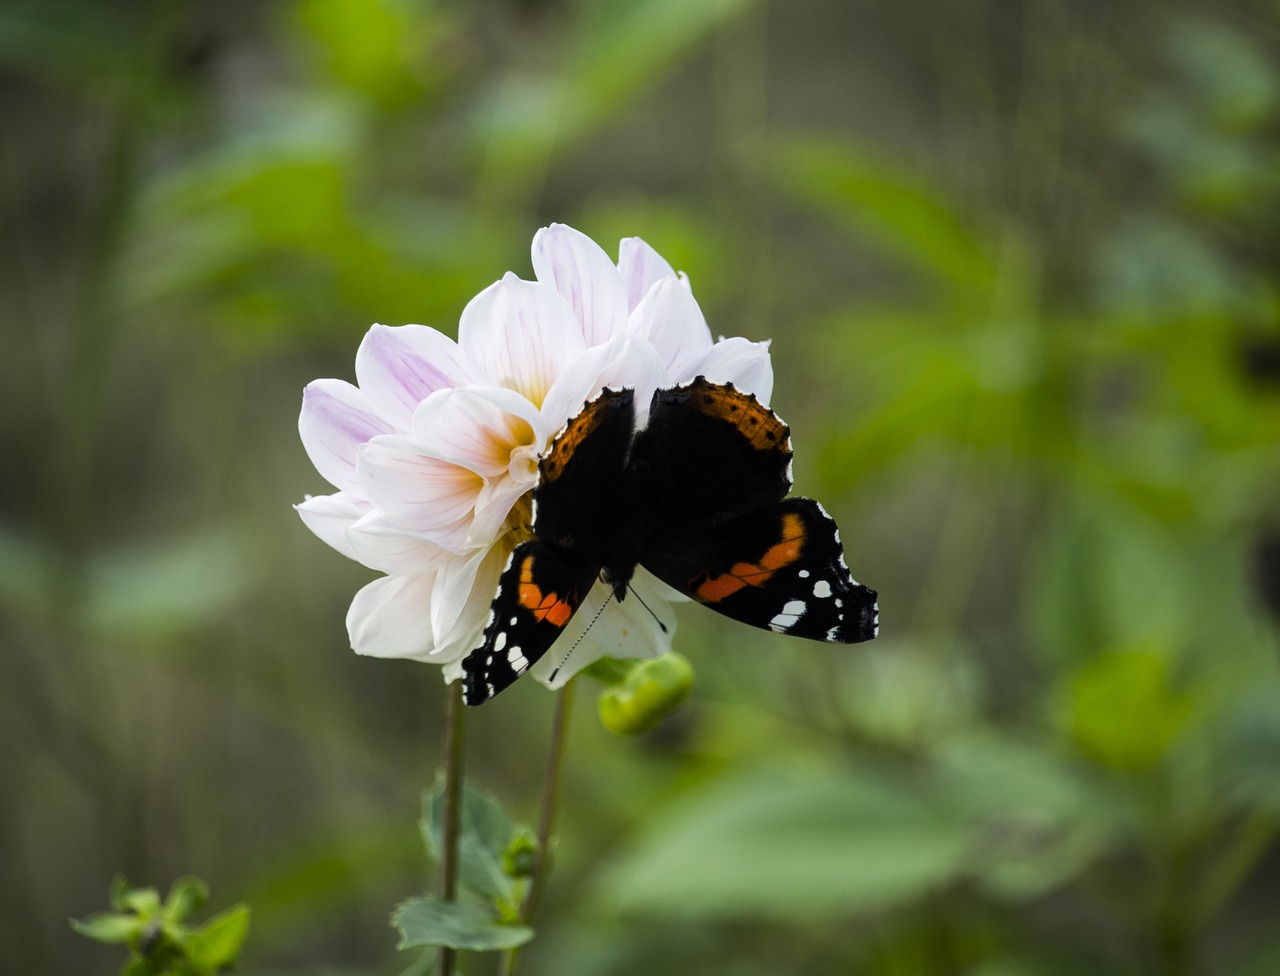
<point x="698" y="498"/>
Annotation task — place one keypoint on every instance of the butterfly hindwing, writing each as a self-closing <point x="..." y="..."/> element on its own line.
<point x="538" y="593"/>
<point x="780" y="567"/>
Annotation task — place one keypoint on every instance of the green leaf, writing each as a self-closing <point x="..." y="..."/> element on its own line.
<point x="144" y="901"/>
<point x="484" y="831"/>
<point x="457" y="925"/>
<point x="216" y="944"/>
<point x="621" y="50"/>
<point x="1123" y="712"/>
<point x="789" y="845"/>
<point x="378" y="47"/>
<point x="109" y="926"/>
<point x="185" y="896"/>
<point x="887" y="206"/>
<point x="117" y="891"/>
<point x="159" y="589"/>
<point x="140" y="966"/>
<point x="1042" y="823"/>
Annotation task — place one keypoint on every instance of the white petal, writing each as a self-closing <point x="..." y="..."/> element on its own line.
<point x="624" y="630"/>
<point x="669" y="317"/>
<point x="389" y="549"/>
<point x="477" y="427"/>
<point x="336" y="419"/>
<point x="578" y="269"/>
<point x="519" y="334"/>
<point x="464" y="591"/>
<point x="739" y="361"/>
<point x="641" y="267"/>
<point x="391" y="617"/>
<point x="494" y="504"/>
<point x="399" y="367"/>
<point x="416" y="493"/>
<point x="329" y="517"/>
<point x="624" y="362"/>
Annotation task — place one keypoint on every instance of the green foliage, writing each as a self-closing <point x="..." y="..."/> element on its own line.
<point x="457" y="925"/>
<point x="158" y="941"/>
<point x="493" y="869"/>
<point x="790" y="846"/>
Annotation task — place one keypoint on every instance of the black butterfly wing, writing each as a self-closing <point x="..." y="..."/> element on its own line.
<point x="547" y="578"/>
<point x="538" y="594"/>
<point x="712" y="452"/>
<point x="581" y="475"/>
<point x="780" y="567"/>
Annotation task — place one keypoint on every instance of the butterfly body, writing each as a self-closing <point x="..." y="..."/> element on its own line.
<point x="698" y="498"/>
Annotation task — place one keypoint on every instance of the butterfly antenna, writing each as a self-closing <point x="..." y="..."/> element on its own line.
<point x="631" y="589"/>
<point x="567" y="654"/>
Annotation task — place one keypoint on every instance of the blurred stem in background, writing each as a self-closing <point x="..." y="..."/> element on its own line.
<point x="545" y="853"/>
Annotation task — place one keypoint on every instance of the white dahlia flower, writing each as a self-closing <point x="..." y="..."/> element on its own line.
<point x="434" y="451"/>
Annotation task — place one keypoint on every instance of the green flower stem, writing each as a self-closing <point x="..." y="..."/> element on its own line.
<point x="453" y="742"/>
<point x="546" y="821"/>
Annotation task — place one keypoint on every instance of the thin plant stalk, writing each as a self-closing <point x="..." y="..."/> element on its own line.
<point x="453" y="754"/>
<point x="547" y="817"/>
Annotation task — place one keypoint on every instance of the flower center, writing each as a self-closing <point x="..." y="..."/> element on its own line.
<point x="519" y="525"/>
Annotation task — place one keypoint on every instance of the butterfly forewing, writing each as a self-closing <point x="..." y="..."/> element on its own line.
<point x="713" y="452"/>
<point x="579" y="478"/>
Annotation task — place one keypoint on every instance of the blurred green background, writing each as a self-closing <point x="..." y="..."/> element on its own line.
<point x="1019" y="262"/>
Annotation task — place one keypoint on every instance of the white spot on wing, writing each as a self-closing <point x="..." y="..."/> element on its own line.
<point x="500" y="641"/>
<point x="787" y="617"/>
<point x="822" y="589"/>
<point x="803" y="574"/>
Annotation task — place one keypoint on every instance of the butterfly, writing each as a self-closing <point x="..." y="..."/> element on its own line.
<point x="698" y="497"/>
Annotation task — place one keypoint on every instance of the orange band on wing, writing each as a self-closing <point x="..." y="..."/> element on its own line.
<point x="546" y="607"/>
<point x="742" y="575"/>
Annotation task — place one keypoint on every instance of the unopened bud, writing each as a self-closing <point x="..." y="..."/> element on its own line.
<point x="648" y="694"/>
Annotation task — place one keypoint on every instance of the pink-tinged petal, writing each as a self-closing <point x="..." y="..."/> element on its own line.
<point x="416" y="493"/>
<point x="641" y="267"/>
<point x="464" y="591"/>
<point x="391" y="617"/>
<point x="736" y="360"/>
<point x="669" y="317"/>
<point x="398" y="367"/>
<point x="477" y="427"/>
<point x="578" y="269"/>
<point x="624" y="362"/>
<point x="622" y="630"/>
<point x="392" y="550"/>
<point x="329" y="517"/>
<point x="519" y="334"/>
<point x="336" y="419"/>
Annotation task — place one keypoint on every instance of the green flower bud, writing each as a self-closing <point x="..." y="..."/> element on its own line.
<point x="650" y="692"/>
<point x="521" y="855"/>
